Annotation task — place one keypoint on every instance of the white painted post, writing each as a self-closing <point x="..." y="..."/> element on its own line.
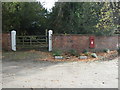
<point x="50" y="40"/>
<point x="13" y="40"/>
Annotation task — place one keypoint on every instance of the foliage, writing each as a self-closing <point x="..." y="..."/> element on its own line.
<point x="83" y="18"/>
<point x="106" y="50"/>
<point x="31" y="18"/>
<point x="57" y="53"/>
<point x="73" y="52"/>
<point x="25" y="17"/>
<point x="85" y="51"/>
<point x="105" y="24"/>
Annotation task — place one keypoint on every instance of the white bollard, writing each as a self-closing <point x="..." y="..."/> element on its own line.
<point x="13" y="40"/>
<point x="50" y="39"/>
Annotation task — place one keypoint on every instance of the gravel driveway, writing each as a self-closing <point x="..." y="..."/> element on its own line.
<point x="44" y="74"/>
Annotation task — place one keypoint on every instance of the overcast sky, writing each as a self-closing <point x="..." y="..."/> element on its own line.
<point x="48" y="4"/>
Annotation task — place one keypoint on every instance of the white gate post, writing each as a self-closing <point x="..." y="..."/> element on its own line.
<point x="50" y="40"/>
<point x="13" y="40"/>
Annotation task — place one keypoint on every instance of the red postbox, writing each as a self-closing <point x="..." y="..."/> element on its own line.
<point x="92" y="42"/>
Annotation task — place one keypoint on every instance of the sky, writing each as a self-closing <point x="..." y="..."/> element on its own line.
<point x="48" y="4"/>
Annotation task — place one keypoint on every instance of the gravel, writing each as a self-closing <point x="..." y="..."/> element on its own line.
<point x="45" y="74"/>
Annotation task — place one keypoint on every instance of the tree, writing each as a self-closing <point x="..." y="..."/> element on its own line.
<point x="82" y="18"/>
<point x="27" y="18"/>
<point x="106" y="20"/>
<point x="30" y="18"/>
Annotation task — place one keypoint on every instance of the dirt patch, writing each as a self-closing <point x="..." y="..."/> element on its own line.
<point x="47" y="56"/>
<point x="101" y="56"/>
<point x="24" y="55"/>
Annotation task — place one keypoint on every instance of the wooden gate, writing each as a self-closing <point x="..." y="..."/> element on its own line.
<point x="32" y="41"/>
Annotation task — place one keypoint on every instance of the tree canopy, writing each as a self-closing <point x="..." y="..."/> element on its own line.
<point x="31" y="18"/>
<point x="83" y="18"/>
<point x="25" y="17"/>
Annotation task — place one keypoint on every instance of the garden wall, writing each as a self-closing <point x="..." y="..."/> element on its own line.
<point x="81" y="42"/>
<point x="5" y="41"/>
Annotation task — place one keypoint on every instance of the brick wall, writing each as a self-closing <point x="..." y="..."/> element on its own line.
<point x="81" y="42"/>
<point x="6" y="41"/>
<point x="110" y="42"/>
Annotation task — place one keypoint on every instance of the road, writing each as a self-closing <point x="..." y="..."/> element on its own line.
<point x="44" y="74"/>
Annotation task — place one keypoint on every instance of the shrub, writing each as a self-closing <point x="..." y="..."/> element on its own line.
<point x="57" y="53"/>
<point x="73" y="52"/>
<point x="106" y="50"/>
<point x="85" y="51"/>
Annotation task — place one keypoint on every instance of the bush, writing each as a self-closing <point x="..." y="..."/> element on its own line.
<point x="57" y="53"/>
<point x="73" y="52"/>
<point x="106" y="50"/>
<point x="85" y="51"/>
